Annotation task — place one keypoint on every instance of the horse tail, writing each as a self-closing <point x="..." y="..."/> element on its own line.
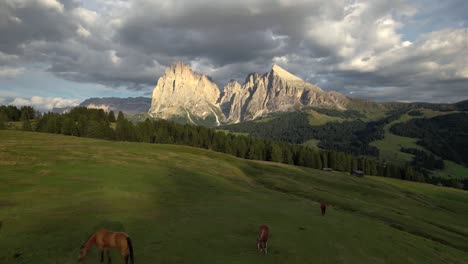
<point x="130" y="249"/>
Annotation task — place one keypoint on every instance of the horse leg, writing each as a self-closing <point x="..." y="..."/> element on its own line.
<point x="266" y="247"/>
<point x="126" y="259"/>
<point x="102" y="256"/>
<point x="108" y="257"/>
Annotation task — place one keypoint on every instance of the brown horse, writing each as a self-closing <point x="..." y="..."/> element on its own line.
<point x="323" y="208"/>
<point x="262" y="240"/>
<point x="105" y="240"/>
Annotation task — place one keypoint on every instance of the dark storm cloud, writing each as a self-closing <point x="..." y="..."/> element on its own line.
<point x="354" y="47"/>
<point x="224" y="33"/>
<point x="25" y="21"/>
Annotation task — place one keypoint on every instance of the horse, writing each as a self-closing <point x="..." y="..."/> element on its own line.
<point x="262" y="240"/>
<point x="323" y="208"/>
<point x="105" y="239"/>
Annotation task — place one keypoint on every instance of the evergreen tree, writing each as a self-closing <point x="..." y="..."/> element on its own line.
<point x="111" y="116"/>
<point x="317" y="160"/>
<point x="53" y="124"/>
<point x="240" y="146"/>
<point x="68" y="126"/>
<point x="300" y="159"/>
<point x="288" y="156"/>
<point x="26" y="122"/>
<point x="27" y="112"/>
<point x="354" y="165"/>
<point x="276" y="153"/>
<point x="3" y="120"/>
<point x="308" y="158"/>
<point x="120" y="117"/>
<point x="324" y="157"/>
<point x="82" y="126"/>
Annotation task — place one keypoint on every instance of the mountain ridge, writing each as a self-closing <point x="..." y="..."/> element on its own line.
<point x="183" y="93"/>
<point x="130" y="105"/>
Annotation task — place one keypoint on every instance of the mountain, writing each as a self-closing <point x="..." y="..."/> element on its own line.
<point x="131" y="105"/>
<point x="61" y="110"/>
<point x="181" y="94"/>
<point x="274" y="91"/>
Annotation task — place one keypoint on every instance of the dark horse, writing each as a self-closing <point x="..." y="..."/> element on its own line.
<point x="106" y="239"/>
<point x="323" y="208"/>
<point x="262" y="240"/>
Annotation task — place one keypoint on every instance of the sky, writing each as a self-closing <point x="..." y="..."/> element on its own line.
<point x="56" y="53"/>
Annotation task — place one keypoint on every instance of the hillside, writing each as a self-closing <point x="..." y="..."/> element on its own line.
<point x="187" y="205"/>
<point x="390" y="146"/>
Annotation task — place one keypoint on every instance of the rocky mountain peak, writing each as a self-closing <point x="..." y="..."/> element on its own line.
<point x="181" y="92"/>
<point x="283" y="74"/>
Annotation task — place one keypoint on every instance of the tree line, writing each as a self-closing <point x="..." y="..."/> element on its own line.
<point x="348" y="136"/>
<point x="95" y="123"/>
<point x="423" y="160"/>
<point x="445" y="135"/>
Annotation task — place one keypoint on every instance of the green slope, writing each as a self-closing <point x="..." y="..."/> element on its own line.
<point x="187" y="205"/>
<point x="389" y="147"/>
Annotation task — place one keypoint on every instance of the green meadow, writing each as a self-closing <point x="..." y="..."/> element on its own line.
<point x="186" y="205"/>
<point x="389" y="147"/>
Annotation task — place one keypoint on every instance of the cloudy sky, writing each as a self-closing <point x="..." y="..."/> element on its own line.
<point x="55" y="53"/>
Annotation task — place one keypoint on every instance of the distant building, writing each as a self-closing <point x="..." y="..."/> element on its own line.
<point x="327" y="169"/>
<point x="358" y="173"/>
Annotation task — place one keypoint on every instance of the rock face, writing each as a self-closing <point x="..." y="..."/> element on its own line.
<point x="277" y="90"/>
<point x="181" y="92"/>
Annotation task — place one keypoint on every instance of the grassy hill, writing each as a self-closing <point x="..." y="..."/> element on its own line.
<point x="187" y="205"/>
<point x="389" y="147"/>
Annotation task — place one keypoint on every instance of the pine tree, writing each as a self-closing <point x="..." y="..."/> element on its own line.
<point x="276" y="152"/>
<point x="120" y="117"/>
<point x="68" y="126"/>
<point x="111" y="116"/>
<point x="26" y="122"/>
<point x="324" y="157"/>
<point x="354" y="166"/>
<point x="317" y="160"/>
<point x="374" y="170"/>
<point x="82" y="126"/>
<point x="241" y="146"/>
<point x="3" y="120"/>
<point x="288" y="157"/>
<point x="27" y="112"/>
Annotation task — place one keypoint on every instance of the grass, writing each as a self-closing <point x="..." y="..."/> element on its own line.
<point x="390" y="146"/>
<point x="313" y="143"/>
<point x="318" y="119"/>
<point x="231" y="132"/>
<point x="187" y="205"/>
<point x="453" y="170"/>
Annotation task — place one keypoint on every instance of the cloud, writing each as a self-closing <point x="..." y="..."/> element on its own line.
<point x="377" y="49"/>
<point x="10" y="73"/>
<point x="45" y="103"/>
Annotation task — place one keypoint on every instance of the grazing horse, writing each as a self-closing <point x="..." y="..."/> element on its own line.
<point x="105" y="240"/>
<point x="262" y="240"/>
<point x="323" y="208"/>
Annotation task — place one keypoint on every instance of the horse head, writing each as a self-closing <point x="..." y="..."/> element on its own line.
<point x="83" y="253"/>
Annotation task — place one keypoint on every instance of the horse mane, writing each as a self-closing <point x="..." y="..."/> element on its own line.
<point x="89" y="238"/>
